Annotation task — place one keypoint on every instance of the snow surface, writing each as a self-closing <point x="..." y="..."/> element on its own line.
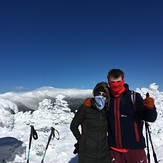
<point x="15" y="125"/>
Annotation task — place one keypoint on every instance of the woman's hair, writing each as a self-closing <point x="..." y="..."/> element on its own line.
<point x="103" y="86"/>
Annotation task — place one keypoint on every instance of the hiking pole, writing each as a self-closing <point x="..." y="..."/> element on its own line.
<point x="35" y="136"/>
<point x="148" y="153"/>
<point x="52" y="134"/>
<point x="154" y="154"/>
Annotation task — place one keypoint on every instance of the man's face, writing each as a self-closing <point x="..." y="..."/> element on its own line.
<point x="116" y="84"/>
<point x="111" y="79"/>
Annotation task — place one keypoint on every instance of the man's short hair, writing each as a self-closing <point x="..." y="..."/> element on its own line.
<point x="115" y="73"/>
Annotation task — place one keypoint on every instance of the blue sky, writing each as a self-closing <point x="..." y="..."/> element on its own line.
<point x="74" y="43"/>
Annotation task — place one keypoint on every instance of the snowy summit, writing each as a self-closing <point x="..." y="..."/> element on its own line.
<point x="48" y="111"/>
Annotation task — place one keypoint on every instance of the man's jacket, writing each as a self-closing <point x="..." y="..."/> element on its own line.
<point x="125" y="120"/>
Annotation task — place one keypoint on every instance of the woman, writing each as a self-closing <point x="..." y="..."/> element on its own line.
<point x="93" y="140"/>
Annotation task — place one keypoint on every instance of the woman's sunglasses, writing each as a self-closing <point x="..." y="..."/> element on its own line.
<point x="101" y="94"/>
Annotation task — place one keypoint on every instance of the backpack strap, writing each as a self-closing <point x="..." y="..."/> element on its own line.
<point x="133" y="99"/>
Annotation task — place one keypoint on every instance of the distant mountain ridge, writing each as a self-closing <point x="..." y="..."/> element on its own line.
<point x="30" y="100"/>
<point x="75" y="97"/>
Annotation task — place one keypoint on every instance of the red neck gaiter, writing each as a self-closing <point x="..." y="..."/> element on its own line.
<point x="117" y="88"/>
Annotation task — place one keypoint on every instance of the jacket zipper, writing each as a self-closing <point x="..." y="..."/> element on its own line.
<point x="117" y="122"/>
<point x="100" y="118"/>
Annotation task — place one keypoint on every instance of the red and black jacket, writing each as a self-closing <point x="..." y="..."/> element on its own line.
<point x="125" y="121"/>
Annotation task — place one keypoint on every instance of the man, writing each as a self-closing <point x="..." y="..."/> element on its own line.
<point x="125" y="121"/>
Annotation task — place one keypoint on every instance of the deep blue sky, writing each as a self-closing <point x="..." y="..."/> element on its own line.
<point x="74" y="43"/>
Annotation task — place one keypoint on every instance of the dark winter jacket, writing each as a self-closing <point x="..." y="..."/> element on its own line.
<point x="126" y="121"/>
<point x="93" y="139"/>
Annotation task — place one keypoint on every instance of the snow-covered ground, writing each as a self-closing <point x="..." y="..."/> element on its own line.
<point x="15" y="125"/>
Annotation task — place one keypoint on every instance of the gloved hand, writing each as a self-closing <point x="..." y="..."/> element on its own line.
<point x="87" y="102"/>
<point x="149" y="103"/>
<point x="76" y="150"/>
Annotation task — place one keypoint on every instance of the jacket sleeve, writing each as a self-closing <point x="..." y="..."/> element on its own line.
<point x="76" y="121"/>
<point x="143" y="113"/>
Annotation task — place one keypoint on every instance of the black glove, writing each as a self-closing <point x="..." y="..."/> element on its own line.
<point x="76" y="150"/>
